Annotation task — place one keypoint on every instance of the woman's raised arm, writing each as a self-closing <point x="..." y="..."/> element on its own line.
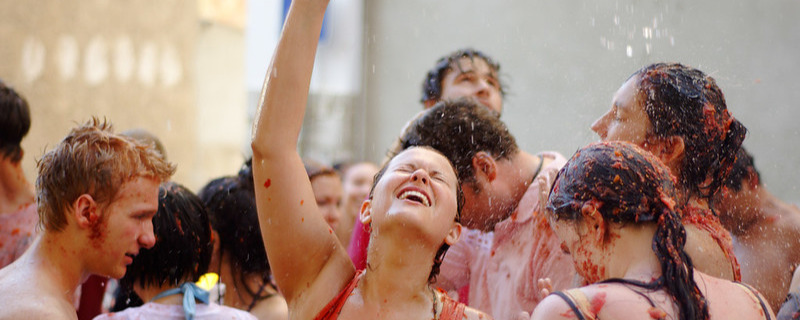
<point x="300" y="245"/>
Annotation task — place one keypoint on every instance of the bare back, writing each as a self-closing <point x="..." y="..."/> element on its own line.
<point x="769" y="254"/>
<point x="726" y="300"/>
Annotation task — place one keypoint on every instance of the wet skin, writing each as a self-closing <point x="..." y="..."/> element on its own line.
<point x="125" y="226"/>
<point x="475" y="78"/>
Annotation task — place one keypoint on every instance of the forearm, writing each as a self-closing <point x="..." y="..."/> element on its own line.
<point x="285" y="91"/>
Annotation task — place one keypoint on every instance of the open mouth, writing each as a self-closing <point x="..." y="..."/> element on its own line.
<point x="416" y="196"/>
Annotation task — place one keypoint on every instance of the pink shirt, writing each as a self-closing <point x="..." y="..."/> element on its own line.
<point x="502" y="267"/>
<point x="17" y="230"/>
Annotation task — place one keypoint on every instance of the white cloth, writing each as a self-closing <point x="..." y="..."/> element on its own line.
<point x="152" y="310"/>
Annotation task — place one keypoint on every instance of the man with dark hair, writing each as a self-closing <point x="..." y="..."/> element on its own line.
<point x="464" y="73"/>
<point x="510" y="245"/>
<point x="765" y="230"/>
<point x="96" y="195"/>
<point x="17" y="207"/>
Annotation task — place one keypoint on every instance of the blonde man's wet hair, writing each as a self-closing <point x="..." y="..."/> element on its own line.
<point x="92" y="160"/>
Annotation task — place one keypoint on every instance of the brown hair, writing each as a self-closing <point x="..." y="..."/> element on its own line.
<point x="92" y="160"/>
<point x="683" y="101"/>
<point x="459" y="129"/>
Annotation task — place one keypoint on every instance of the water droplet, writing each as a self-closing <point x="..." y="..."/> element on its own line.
<point x="629" y="51"/>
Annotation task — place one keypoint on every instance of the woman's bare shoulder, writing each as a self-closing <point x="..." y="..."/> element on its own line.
<point x="728" y="300"/>
<point x="272" y="308"/>
<point x="552" y="307"/>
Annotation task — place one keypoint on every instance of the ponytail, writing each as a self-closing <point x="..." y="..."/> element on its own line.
<point x="677" y="268"/>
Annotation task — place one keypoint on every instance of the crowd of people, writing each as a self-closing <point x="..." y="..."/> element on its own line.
<point x="665" y="218"/>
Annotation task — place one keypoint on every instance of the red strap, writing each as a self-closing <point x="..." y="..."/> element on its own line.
<point x="332" y="310"/>
<point x="451" y="309"/>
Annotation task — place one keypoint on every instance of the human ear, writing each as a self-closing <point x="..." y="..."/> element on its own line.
<point x="84" y="209"/>
<point x="593" y="222"/>
<point x="454" y="234"/>
<point x="668" y="149"/>
<point x="365" y="214"/>
<point x="484" y="165"/>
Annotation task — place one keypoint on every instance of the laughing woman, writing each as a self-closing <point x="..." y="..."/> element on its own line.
<point x="412" y="208"/>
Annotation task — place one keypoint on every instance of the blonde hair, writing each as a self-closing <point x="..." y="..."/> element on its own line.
<point x="92" y="160"/>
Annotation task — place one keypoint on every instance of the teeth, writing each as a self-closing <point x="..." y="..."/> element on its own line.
<point x="416" y="194"/>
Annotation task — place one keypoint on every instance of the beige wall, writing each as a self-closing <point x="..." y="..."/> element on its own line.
<point x="133" y="62"/>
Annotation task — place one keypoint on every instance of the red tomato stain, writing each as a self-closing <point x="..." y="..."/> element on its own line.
<point x="302" y="219"/>
<point x="97" y="230"/>
<point x="597" y="302"/>
<point x="330" y="230"/>
<point x="301" y="202"/>
<point x="656" y="313"/>
<point x="179" y="225"/>
<point x="567" y="314"/>
<point x="15" y="232"/>
<point x="267" y="183"/>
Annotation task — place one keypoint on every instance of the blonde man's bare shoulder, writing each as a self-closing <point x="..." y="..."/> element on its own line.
<point x="26" y="296"/>
<point x="35" y="307"/>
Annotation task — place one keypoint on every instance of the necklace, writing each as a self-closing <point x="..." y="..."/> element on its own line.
<point x="434" y="302"/>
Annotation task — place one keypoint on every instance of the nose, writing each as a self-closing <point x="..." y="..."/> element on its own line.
<point x="420" y="175"/>
<point x="147" y="239"/>
<point x="600" y="125"/>
<point x="482" y="89"/>
<point x="333" y="216"/>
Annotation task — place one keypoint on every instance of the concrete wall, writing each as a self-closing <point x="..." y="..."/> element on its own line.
<point x="141" y="64"/>
<point x="563" y="60"/>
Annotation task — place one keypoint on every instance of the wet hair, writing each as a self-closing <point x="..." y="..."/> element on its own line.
<point x="439" y="257"/>
<point x="743" y="168"/>
<point x="183" y="241"/>
<point x="432" y="86"/>
<point x="459" y="129"/>
<point x="15" y="121"/>
<point x="685" y="102"/>
<point x="628" y="185"/>
<point x="92" y="160"/>
<point x="315" y="169"/>
<point x="231" y="202"/>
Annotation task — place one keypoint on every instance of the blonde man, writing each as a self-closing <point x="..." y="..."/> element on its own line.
<point x="96" y="193"/>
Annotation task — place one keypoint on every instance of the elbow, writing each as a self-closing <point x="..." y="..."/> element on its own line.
<point x="258" y="147"/>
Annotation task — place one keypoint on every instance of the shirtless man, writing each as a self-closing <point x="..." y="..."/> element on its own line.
<point x="97" y="193"/>
<point x="766" y="230"/>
